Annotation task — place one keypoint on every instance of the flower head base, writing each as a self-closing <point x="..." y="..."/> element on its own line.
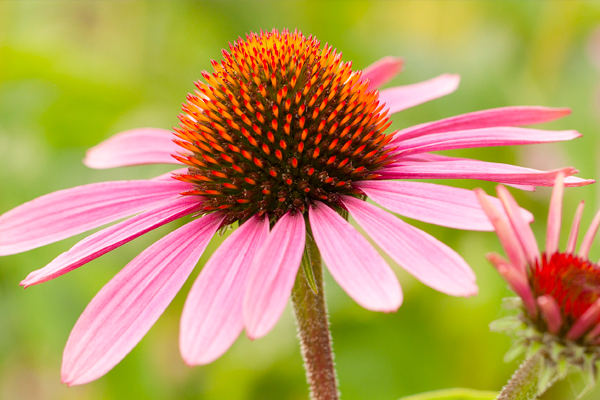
<point x="559" y="291"/>
<point x="280" y="124"/>
<point x="560" y="357"/>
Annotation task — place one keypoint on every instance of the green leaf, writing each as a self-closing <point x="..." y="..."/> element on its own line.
<point x="454" y="394"/>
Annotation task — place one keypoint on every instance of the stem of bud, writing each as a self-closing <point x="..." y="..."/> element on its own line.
<point x="525" y="382"/>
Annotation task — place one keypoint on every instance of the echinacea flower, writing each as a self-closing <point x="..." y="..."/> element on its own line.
<point x="283" y="139"/>
<point x="559" y="291"/>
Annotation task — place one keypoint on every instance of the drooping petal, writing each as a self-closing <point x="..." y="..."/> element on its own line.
<point x="593" y="335"/>
<point x="134" y="147"/>
<point x="272" y="275"/>
<point x="68" y="212"/>
<point x="436" y="204"/>
<point x="112" y="237"/>
<point x="575" y="229"/>
<point x="423" y="256"/>
<point x="382" y="71"/>
<point x="212" y="317"/>
<point x="517" y="279"/>
<point x="550" y="312"/>
<point x="403" y="97"/>
<point x="355" y="265"/>
<point x="555" y="217"/>
<point x="504" y="116"/>
<point x="127" y="307"/>
<point x="484" y="137"/>
<point x="520" y="225"/>
<point x="505" y="232"/>
<point x="587" y="320"/>
<point x="433" y="166"/>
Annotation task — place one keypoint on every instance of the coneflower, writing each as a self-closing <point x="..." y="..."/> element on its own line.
<point x="285" y="140"/>
<point x="558" y="325"/>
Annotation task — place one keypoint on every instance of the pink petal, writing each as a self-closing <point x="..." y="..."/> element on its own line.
<point x="68" y="212"/>
<point x="593" y="335"/>
<point x="504" y="116"/>
<point x="575" y="229"/>
<point x="436" y="204"/>
<point x="382" y="71"/>
<point x="403" y="97"/>
<point x="442" y="167"/>
<point x="517" y="279"/>
<point x="212" y="317"/>
<point x="134" y="147"/>
<point x="127" y="307"/>
<point x="555" y="217"/>
<point x="520" y="225"/>
<point x="423" y="256"/>
<point x="112" y="237"/>
<point x="550" y="312"/>
<point x="272" y="275"/>
<point x="484" y="137"/>
<point x="588" y="239"/>
<point x="527" y="188"/>
<point x="505" y="232"/>
<point x="587" y="320"/>
<point x="355" y="265"/>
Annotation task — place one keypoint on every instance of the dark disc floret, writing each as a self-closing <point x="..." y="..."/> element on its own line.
<point x="280" y="124"/>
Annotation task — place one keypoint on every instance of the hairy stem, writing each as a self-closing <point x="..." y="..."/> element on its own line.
<point x="313" y="326"/>
<point x="524" y="384"/>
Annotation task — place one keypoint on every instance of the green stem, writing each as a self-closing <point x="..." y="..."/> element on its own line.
<point x="525" y="382"/>
<point x="313" y="326"/>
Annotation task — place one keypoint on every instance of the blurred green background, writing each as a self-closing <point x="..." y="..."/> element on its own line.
<point x="72" y="73"/>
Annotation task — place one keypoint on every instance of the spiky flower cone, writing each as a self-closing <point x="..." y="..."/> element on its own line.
<point x="279" y="124"/>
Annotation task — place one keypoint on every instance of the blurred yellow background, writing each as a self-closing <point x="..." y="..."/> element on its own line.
<point x="72" y="73"/>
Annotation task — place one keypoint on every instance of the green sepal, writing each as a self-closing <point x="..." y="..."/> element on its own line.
<point x="547" y="377"/>
<point x="528" y="332"/>
<point x="534" y="348"/>
<point x="517" y="348"/>
<point x="505" y="324"/>
<point x="222" y="230"/>
<point x="563" y="368"/>
<point x="589" y="375"/>
<point x="578" y="352"/>
<point x="344" y="213"/>
<point x="512" y="303"/>
<point x="556" y="350"/>
<point x="308" y="271"/>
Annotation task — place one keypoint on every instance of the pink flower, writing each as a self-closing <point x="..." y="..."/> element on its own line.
<point x="558" y="321"/>
<point x="560" y="290"/>
<point x="282" y="138"/>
